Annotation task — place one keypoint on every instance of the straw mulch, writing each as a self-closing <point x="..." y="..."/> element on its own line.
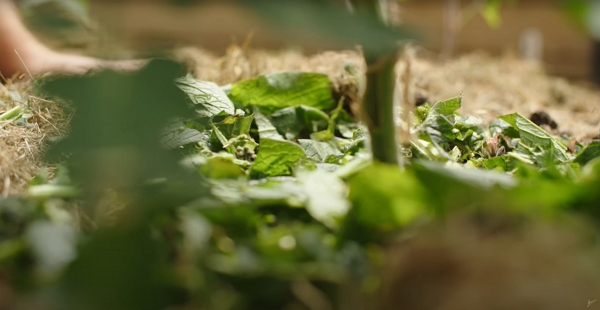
<point x="490" y="87"/>
<point x="22" y="142"/>
<point x="240" y="63"/>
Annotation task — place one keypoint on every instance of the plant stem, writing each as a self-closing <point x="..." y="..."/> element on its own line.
<point x="378" y="108"/>
<point x="10" y="114"/>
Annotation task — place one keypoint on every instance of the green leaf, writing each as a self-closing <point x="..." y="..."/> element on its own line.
<point x="318" y="151"/>
<point x="288" y="89"/>
<point x="588" y="154"/>
<point x="266" y="130"/>
<point x="497" y="163"/>
<point x="313" y="118"/>
<point x="384" y="198"/>
<point x="327" y="194"/>
<point x="276" y="158"/>
<point x="292" y="121"/>
<point x="534" y="137"/>
<point x="209" y="99"/>
<point x="447" y="107"/>
<point x="177" y="134"/>
<point x="221" y="137"/>
<point x="481" y="179"/>
<point x="491" y="13"/>
<point x="501" y="127"/>
<point x="236" y="125"/>
<point x="287" y="123"/>
<point x="117" y="270"/>
<point x="277" y="192"/>
<point x="453" y="137"/>
<point x="221" y="167"/>
<point x="114" y="140"/>
<point x="577" y="11"/>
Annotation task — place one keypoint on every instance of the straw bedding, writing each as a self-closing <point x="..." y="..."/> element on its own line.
<point x="22" y="142"/>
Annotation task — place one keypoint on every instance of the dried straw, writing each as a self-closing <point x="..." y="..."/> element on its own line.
<point x="22" y="143"/>
<point x="495" y="86"/>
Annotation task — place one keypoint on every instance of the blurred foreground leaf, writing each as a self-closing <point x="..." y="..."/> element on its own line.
<point x="118" y="270"/>
<point x="115" y="133"/>
<point x="384" y="199"/>
<point x="331" y="26"/>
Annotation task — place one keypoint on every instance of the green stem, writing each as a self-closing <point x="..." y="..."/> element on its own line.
<point x="378" y="106"/>
<point x="10" y="114"/>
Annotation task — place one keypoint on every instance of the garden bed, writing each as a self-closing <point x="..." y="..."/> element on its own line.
<point x="490" y="87"/>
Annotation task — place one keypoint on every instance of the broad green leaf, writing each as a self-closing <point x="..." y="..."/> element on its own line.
<point x="276" y="158"/>
<point x="281" y="90"/>
<point x="588" y="154"/>
<point x="208" y="98"/>
<point x="318" y="151"/>
<point x="533" y="136"/>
